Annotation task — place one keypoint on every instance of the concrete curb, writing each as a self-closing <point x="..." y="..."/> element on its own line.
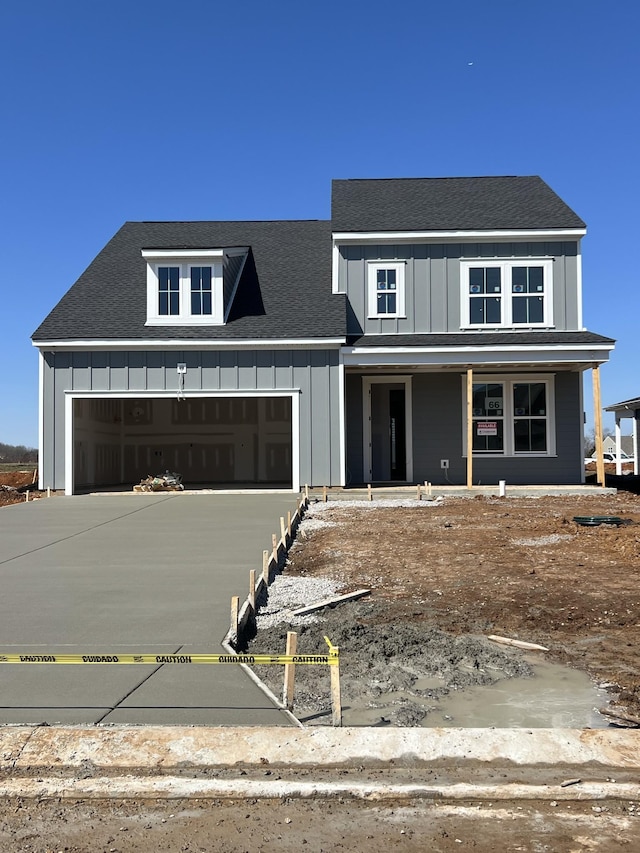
<point x="147" y="755"/>
<point x="179" y="787"/>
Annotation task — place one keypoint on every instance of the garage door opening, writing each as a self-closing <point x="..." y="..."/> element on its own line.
<point x="212" y="442"/>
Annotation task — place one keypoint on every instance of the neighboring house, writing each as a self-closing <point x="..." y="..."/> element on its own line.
<point x="626" y="446"/>
<point x="338" y="353"/>
<point x="629" y="444"/>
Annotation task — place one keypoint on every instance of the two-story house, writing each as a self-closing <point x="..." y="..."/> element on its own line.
<point x="428" y="316"/>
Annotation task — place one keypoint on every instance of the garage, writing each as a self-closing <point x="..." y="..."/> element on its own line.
<point x="211" y="441"/>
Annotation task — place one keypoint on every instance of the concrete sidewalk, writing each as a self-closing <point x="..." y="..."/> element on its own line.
<point x="130" y="573"/>
<point x="453" y="764"/>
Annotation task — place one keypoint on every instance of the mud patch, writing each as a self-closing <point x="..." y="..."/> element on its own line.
<point x="390" y="674"/>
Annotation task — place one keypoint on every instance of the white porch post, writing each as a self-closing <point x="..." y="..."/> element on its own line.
<point x="618" y="447"/>
<point x="635" y="442"/>
<point x="469" y="428"/>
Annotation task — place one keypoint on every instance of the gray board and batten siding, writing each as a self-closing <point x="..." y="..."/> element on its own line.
<point x="432" y="283"/>
<point x="313" y="376"/>
<point x="438" y="424"/>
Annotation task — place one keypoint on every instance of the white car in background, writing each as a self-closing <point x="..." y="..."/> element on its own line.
<point x="610" y="457"/>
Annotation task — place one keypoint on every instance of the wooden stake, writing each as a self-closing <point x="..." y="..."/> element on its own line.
<point x="336" y="701"/>
<point x="48" y="491"/>
<point x="26" y="495"/>
<point x="265" y="567"/>
<point x="470" y="428"/>
<point x="274" y="547"/>
<point x="418" y="492"/>
<point x="369" y="492"/>
<point x="324" y="494"/>
<point x="289" y="524"/>
<point x="283" y="534"/>
<point x="289" y="671"/>
<point x="597" y="414"/>
<point x="329" y="602"/>
<point x="519" y="644"/>
<point x="252" y="589"/>
<point x="306" y="491"/>
<point x="235" y="607"/>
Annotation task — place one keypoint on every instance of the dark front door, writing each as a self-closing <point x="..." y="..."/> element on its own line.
<point x="388" y="432"/>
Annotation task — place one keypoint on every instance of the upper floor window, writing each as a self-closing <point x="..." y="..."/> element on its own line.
<point x="386" y="289"/>
<point x="184" y="288"/>
<point x="201" y="295"/>
<point x="168" y="291"/>
<point x="506" y="293"/>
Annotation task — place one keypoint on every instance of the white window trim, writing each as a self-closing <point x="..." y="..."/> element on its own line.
<point x="506" y="296"/>
<point x="508" y="380"/>
<point x="185" y="261"/>
<point x="372" y="290"/>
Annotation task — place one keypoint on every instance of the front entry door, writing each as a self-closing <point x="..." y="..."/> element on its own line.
<point x="388" y="432"/>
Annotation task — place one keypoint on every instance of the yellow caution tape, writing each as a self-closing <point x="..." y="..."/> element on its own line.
<point x="251" y="660"/>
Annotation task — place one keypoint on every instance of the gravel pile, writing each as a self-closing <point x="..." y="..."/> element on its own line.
<point x="551" y="539"/>
<point x="287" y="594"/>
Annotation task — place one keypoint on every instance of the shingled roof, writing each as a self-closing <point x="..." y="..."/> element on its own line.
<point x="285" y="290"/>
<point x="449" y="204"/>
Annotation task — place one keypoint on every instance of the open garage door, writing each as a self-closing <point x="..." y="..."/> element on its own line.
<point x="209" y="441"/>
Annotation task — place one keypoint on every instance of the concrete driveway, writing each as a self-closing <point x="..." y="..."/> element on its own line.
<point x="130" y="573"/>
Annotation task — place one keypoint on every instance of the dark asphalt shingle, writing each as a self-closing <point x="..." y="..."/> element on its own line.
<point x="285" y="290"/>
<point x="480" y="339"/>
<point x="448" y="204"/>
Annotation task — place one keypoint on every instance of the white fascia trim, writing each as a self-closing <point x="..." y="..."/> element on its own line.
<point x="191" y="345"/>
<point x="181" y="254"/>
<point x="579" y="285"/>
<point x="451" y="357"/>
<point x="194" y="395"/>
<point x="342" y="424"/>
<point x="335" y="268"/>
<point x="475" y="349"/>
<point x="460" y="236"/>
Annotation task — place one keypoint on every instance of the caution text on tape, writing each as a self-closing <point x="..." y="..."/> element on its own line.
<point x="251" y="660"/>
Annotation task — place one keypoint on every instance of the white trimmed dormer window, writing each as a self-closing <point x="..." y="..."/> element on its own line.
<point x="386" y="289"/>
<point x="513" y="293"/>
<point x="191" y="287"/>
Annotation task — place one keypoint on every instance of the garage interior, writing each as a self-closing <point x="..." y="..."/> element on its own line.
<point x="209" y="441"/>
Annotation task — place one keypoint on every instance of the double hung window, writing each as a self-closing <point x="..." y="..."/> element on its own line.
<point x="512" y="416"/>
<point x="506" y="293"/>
<point x="386" y="289"/>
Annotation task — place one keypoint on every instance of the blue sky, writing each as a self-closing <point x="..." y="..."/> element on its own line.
<point x="138" y="110"/>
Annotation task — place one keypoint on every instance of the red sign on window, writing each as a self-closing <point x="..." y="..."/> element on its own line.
<point x="487" y="427"/>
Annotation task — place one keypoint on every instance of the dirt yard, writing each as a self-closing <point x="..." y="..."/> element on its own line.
<point x="315" y="826"/>
<point x="14" y="484"/>
<point x="445" y="576"/>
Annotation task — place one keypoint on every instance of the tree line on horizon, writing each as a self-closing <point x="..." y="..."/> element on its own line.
<point x="18" y="453"/>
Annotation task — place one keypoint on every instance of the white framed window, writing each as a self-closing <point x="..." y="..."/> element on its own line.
<point x="386" y="289"/>
<point x="184" y="288"/>
<point x="514" y="293"/>
<point x="512" y="415"/>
